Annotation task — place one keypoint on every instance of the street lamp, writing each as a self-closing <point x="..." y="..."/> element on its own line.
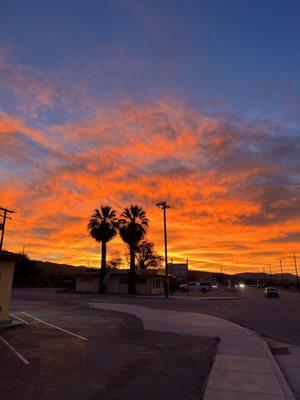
<point x="163" y="205"/>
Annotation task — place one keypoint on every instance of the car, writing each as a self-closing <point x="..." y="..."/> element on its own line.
<point x="202" y="287"/>
<point x="189" y="286"/>
<point x="205" y="287"/>
<point x="271" y="292"/>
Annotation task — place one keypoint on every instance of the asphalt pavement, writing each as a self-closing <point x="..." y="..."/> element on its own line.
<point x="64" y="350"/>
<point x="275" y="318"/>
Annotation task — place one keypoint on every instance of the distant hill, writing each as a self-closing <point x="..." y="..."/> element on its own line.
<point x="261" y="276"/>
<point x="48" y="267"/>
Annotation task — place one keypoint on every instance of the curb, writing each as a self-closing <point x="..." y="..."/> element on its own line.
<point x="287" y="392"/>
<point x="209" y="298"/>
<point x="279" y="374"/>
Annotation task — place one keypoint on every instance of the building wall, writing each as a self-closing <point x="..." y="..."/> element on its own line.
<point x="179" y="270"/>
<point x="114" y="285"/>
<point x="119" y="284"/>
<point x="6" y="278"/>
<point x="87" y="284"/>
<point x="156" y="285"/>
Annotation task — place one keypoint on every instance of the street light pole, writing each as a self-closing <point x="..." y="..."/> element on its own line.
<point x="163" y="205"/>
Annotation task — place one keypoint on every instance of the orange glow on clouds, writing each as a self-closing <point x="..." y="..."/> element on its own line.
<point x="224" y="183"/>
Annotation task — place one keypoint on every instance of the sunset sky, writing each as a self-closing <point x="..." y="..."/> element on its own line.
<point x="118" y="102"/>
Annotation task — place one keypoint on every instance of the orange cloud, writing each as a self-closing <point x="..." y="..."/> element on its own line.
<point x="232" y="193"/>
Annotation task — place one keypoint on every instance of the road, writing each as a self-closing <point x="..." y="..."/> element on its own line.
<point x="278" y="319"/>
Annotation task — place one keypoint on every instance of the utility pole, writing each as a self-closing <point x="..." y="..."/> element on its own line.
<point x="264" y="276"/>
<point x="2" y="225"/>
<point x="271" y="275"/>
<point x="221" y="275"/>
<point x="296" y="270"/>
<point x="163" y="205"/>
<point x="282" y="281"/>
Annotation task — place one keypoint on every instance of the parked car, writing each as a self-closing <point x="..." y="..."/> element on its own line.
<point x="202" y="287"/>
<point x="205" y="287"/>
<point x="271" y="292"/>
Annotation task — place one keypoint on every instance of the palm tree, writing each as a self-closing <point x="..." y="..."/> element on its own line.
<point x="133" y="226"/>
<point x="103" y="226"/>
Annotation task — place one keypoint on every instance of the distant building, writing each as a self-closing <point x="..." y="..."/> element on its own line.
<point x="179" y="270"/>
<point x="7" y="264"/>
<point x="148" y="282"/>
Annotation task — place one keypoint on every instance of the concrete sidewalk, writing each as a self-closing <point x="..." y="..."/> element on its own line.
<point x="288" y="358"/>
<point x="244" y="368"/>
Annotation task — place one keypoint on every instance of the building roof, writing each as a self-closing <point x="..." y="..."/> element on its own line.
<point x="145" y="273"/>
<point x="8" y="256"/>
<point x="178" y="264"/>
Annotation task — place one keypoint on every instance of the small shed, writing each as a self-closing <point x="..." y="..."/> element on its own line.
<point x="7" y="265"/>
<point x="149" y="282"/>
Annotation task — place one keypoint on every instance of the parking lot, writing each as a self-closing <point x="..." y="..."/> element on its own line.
<point x="66" y="350"/>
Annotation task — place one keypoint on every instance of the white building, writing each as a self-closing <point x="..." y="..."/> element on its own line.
<point x="148" y="282"/>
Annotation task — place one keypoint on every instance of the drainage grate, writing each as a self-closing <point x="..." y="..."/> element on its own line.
<point x="280" y="351"/>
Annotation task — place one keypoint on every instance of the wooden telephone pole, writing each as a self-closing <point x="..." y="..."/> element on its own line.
<point x="2" y="224"/>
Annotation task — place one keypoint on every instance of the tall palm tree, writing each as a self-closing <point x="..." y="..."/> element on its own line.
<point x="103" y="226"/>
<point x="133" y="226"/>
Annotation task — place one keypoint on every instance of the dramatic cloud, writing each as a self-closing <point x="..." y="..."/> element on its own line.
<point x="233" y="184"/>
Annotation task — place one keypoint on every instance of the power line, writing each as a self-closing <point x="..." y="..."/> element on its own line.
<point x="16" y="240"/>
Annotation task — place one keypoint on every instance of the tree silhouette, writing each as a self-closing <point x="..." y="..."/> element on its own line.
<point x="133" y="226"/>
<point x="115" y="262"/>
<point x="147" y="257"/>
<point x="26" y="271"/>
<point x="103" y="226"/>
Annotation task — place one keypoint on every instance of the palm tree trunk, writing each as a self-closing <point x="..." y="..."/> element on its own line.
<point x="131" y="284"/>
<point x="103" y="267"/>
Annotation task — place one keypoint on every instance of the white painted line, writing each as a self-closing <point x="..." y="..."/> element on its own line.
<point x="20" y="319"/>
<point x="14" y="351"/>
<point x="54" y="326"/>
<point x="287" y="298"/>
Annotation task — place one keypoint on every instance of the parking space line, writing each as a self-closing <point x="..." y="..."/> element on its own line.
<point x="14" y="350"/>
<point x="54" y="326"/>
<point x="20" y="319"/>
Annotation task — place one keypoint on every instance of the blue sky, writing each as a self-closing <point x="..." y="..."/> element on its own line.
<point x="195" y="102"/>
<point x="245" y="53"/>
